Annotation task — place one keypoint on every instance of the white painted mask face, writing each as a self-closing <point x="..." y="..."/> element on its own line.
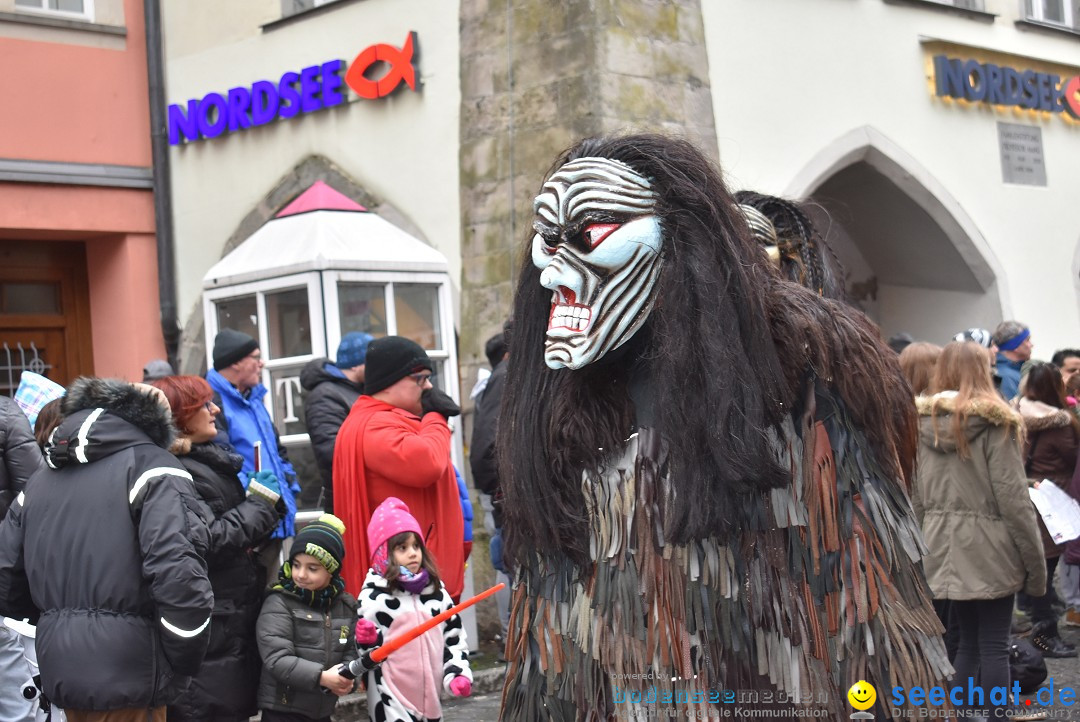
<point x="597" y="243"/>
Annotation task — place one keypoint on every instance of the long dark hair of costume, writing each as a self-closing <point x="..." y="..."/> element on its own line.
<point x="726" y="353"/>
<point x="805" y="257"/>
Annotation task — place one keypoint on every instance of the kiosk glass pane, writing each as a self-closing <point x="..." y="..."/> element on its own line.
<point x="362" y="307"/>
<point x="288" y="323"/>
<point x="287" y="401"/>
<point x="239" y="314"/>
<point x="417" y="307"/>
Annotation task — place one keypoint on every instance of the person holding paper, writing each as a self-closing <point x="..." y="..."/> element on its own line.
<point x="970" y="498"/>
<point x="1050" y="450"/>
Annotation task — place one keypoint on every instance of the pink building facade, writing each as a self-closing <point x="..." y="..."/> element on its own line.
<point x="78" y="253"/>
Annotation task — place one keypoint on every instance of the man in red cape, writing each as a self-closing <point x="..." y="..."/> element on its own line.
<point x="396" y="442"/>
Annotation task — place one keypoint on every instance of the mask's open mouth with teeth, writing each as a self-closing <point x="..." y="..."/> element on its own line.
<point x="566" y="313"/>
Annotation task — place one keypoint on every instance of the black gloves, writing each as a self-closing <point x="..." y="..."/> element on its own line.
<point x="439" y="401"/>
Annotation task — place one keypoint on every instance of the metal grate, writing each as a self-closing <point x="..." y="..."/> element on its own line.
<point x="13" y="361"/>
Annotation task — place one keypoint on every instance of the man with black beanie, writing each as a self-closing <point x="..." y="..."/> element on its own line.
<point x="396" y="442"/>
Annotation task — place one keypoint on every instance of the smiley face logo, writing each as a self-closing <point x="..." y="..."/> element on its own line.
<point x="862" y="695"/>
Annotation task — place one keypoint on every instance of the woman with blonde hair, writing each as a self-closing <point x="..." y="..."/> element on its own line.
<point x="971" y="499"/>
<point x="917" y="362"/>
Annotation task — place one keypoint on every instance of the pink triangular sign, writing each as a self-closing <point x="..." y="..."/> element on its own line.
<point x="319" y="197"/>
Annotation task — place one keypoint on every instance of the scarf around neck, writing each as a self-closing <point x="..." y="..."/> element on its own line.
<point x="319" y="598"/>
<point x="412" y="583"/>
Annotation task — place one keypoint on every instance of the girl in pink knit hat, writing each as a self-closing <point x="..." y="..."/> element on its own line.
<point x="401" y="591"/>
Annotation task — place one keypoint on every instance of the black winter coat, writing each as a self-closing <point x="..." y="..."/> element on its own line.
<point x="19" y="453"/>
<point x="327" y="400"/>
<point x="297" y="643"/>
<point x="229" y="677"/>
<point x="482" y="459"/>
<point x="109" y="543"/>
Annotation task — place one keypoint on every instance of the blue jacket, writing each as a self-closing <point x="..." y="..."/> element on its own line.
<point x="1009" y="371"/>
<point x="248" y="422"/>
<point x="466" y="505"/>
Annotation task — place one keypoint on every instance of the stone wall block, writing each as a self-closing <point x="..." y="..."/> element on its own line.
<point x="576" y="98"/>
<point x="534" y="150"/>
<point x="478" y="75"/>
<point x="680" y="62"/>
<point x="691" y="27"/>
<point x="484" y="308"/>
<point x="545" y="60"/>
<point x="484" y="35"/>
<point x="657" y="20"/>
<point x="474" y="9"/>
<point x="536" y="107"/>
<point x="641" y="99"/>
<point x="487" y="237"/>
<point x="486" y="201"/>
<point x="698" y="106"/>
<point x="627" y="53"/>
<point x="486" y="270"/>
<point x="580" y="15"/>
<point x="485" y="116"/>
<point x="485" y="159"/>
<point x="536" y="21"/>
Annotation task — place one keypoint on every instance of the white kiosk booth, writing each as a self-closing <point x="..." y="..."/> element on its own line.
<point x="321" y="268"/>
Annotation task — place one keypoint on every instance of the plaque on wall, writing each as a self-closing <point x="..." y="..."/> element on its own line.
<point x="1021" y="154"/>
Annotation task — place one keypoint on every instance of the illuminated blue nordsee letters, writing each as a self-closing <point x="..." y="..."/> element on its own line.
<point x="313" y="88"/>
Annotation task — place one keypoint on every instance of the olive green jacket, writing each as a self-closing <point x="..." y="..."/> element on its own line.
<point x="975" y="513"/>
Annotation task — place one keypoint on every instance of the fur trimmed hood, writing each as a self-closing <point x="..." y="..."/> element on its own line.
<point x="1040" y="417"/>
<point x="134" y="404"/>
<point x="944" y="403"/>
<point x="936" y="429"/>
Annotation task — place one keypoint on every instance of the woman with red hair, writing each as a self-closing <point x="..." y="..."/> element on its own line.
<point x="224" y="690"/>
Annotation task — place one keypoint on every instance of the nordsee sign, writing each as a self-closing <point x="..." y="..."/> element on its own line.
<point x="313" y="88"/>
<point x="1004" y="86"/>
<point x="294" y="93"/>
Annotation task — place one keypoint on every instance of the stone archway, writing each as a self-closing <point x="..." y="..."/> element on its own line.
<point x="915" y="260"/>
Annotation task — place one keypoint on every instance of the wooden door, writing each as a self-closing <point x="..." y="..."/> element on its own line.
<point x="44" y="312"/>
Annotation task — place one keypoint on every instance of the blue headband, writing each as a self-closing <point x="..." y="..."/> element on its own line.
<point x="1013" y="343"/>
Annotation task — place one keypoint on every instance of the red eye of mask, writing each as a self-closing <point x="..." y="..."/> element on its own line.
<point x="595" y="233"/>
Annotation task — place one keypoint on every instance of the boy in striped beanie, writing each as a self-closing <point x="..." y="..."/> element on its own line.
<point x="301" y="658"/>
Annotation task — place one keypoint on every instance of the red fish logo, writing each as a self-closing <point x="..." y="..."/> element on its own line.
<point x="401" y="69"/>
